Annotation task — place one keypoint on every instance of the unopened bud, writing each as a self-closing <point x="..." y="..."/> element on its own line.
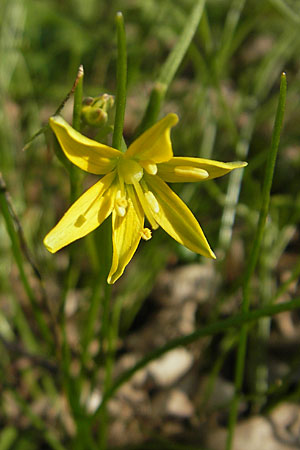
<point x="94" y="111"/>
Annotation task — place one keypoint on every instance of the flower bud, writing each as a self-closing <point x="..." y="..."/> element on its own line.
<point x="94" y="111"/>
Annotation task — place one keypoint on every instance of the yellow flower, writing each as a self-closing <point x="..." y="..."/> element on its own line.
<point x="133" y="186"/>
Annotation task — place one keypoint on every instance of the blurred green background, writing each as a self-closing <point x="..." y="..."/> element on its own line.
<point x="225" y="93"/>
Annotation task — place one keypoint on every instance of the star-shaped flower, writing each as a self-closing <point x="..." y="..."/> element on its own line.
<point x="133" y="186"/>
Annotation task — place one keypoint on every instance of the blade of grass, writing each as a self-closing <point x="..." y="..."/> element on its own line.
<point x="170" y="68"/>
<point x="288" y="12"/>
<point x="265" y="77"/>
<point x="240" y="364"/>
<point x="231" y="22"/>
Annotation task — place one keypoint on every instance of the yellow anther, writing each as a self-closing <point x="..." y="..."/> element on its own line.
<point x="193" y="173"/>
<point x="145" y="205"/>
<point x="120" y="204"/>
<point x="152" y="201"/>
<point x="149" y="166"/>
<point x="146" y="234"/>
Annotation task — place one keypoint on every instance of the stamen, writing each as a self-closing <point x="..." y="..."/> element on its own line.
<point x="193" y="173"/>
<point x="145" y="205"/>
<point x="149" y="166"/>
<point x="146" y="234"/>
<point x="152" y="201"/>
<point x="120" y="204"/>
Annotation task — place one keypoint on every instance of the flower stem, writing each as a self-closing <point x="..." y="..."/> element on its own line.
<point x="121" y="83"/>
<point x="73" y="171"/>
<point x="78" y="99"/>
<point x="241" y="353"/>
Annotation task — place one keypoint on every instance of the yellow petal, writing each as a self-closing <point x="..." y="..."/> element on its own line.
<point x="86" y="214"/>
<point x="127" y="233"/>
<point x="181" y="169"/>
<point x="85" y="153"/>
<point x="176" y="218"/>
<point x="154" y="145"/>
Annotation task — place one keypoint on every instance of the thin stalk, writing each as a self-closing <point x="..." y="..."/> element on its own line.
<point x="89" y="328"/>
<point x="106" y="338"/>
<point x="240" y="365"/>
<point x="231" y="22"/>
<point x="284" y="9"/>
<point x="106" y="325"/>
<point x="78" y="99"/>
<point x="217" y="327"/>
<point x="73" y="171"/>
<point x="58" y="110"/>
<point x="72" y="384"/>
<point x="170" y="67"/>
<point x="121" y="83"/>
<point x="117" y="142"/>
<point x="205" y="33"/>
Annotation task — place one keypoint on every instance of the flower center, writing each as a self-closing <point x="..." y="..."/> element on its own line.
<point x="130" y="171"/>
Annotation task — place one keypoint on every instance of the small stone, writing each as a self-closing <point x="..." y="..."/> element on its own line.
<point x="279" y="431"/>
<point x="179" y="405"/>
<point x="196" y="282"/>
<point x="170" y="367"/>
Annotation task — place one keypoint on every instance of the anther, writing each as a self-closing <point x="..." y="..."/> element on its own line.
<point x="149" y="166"/>
<point x="146" y="234"/>
<point x="193" y="173"/>
<point x="120" y="204"/>
<point x="152" y="201"/>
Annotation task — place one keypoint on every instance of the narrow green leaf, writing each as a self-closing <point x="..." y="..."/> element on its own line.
<point x="252" y="260"/>
<point x="170" y="67"/>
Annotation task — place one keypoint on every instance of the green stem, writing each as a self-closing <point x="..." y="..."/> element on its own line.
<point x="217" y="327"/>
<point x="16" y="248"/>
<point x="72" y="384"/>
<point x="89" y="328"/>
<point x="240" y="364"/>
<point x="266" y="190"/>
<point x="170" y="67"/>
<point x="106" y="338"/>
<point x="117" y="142"/>
<point x="232" y="20"/>
<point x="121" y="83"/>
<point x="73" y="171"/>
